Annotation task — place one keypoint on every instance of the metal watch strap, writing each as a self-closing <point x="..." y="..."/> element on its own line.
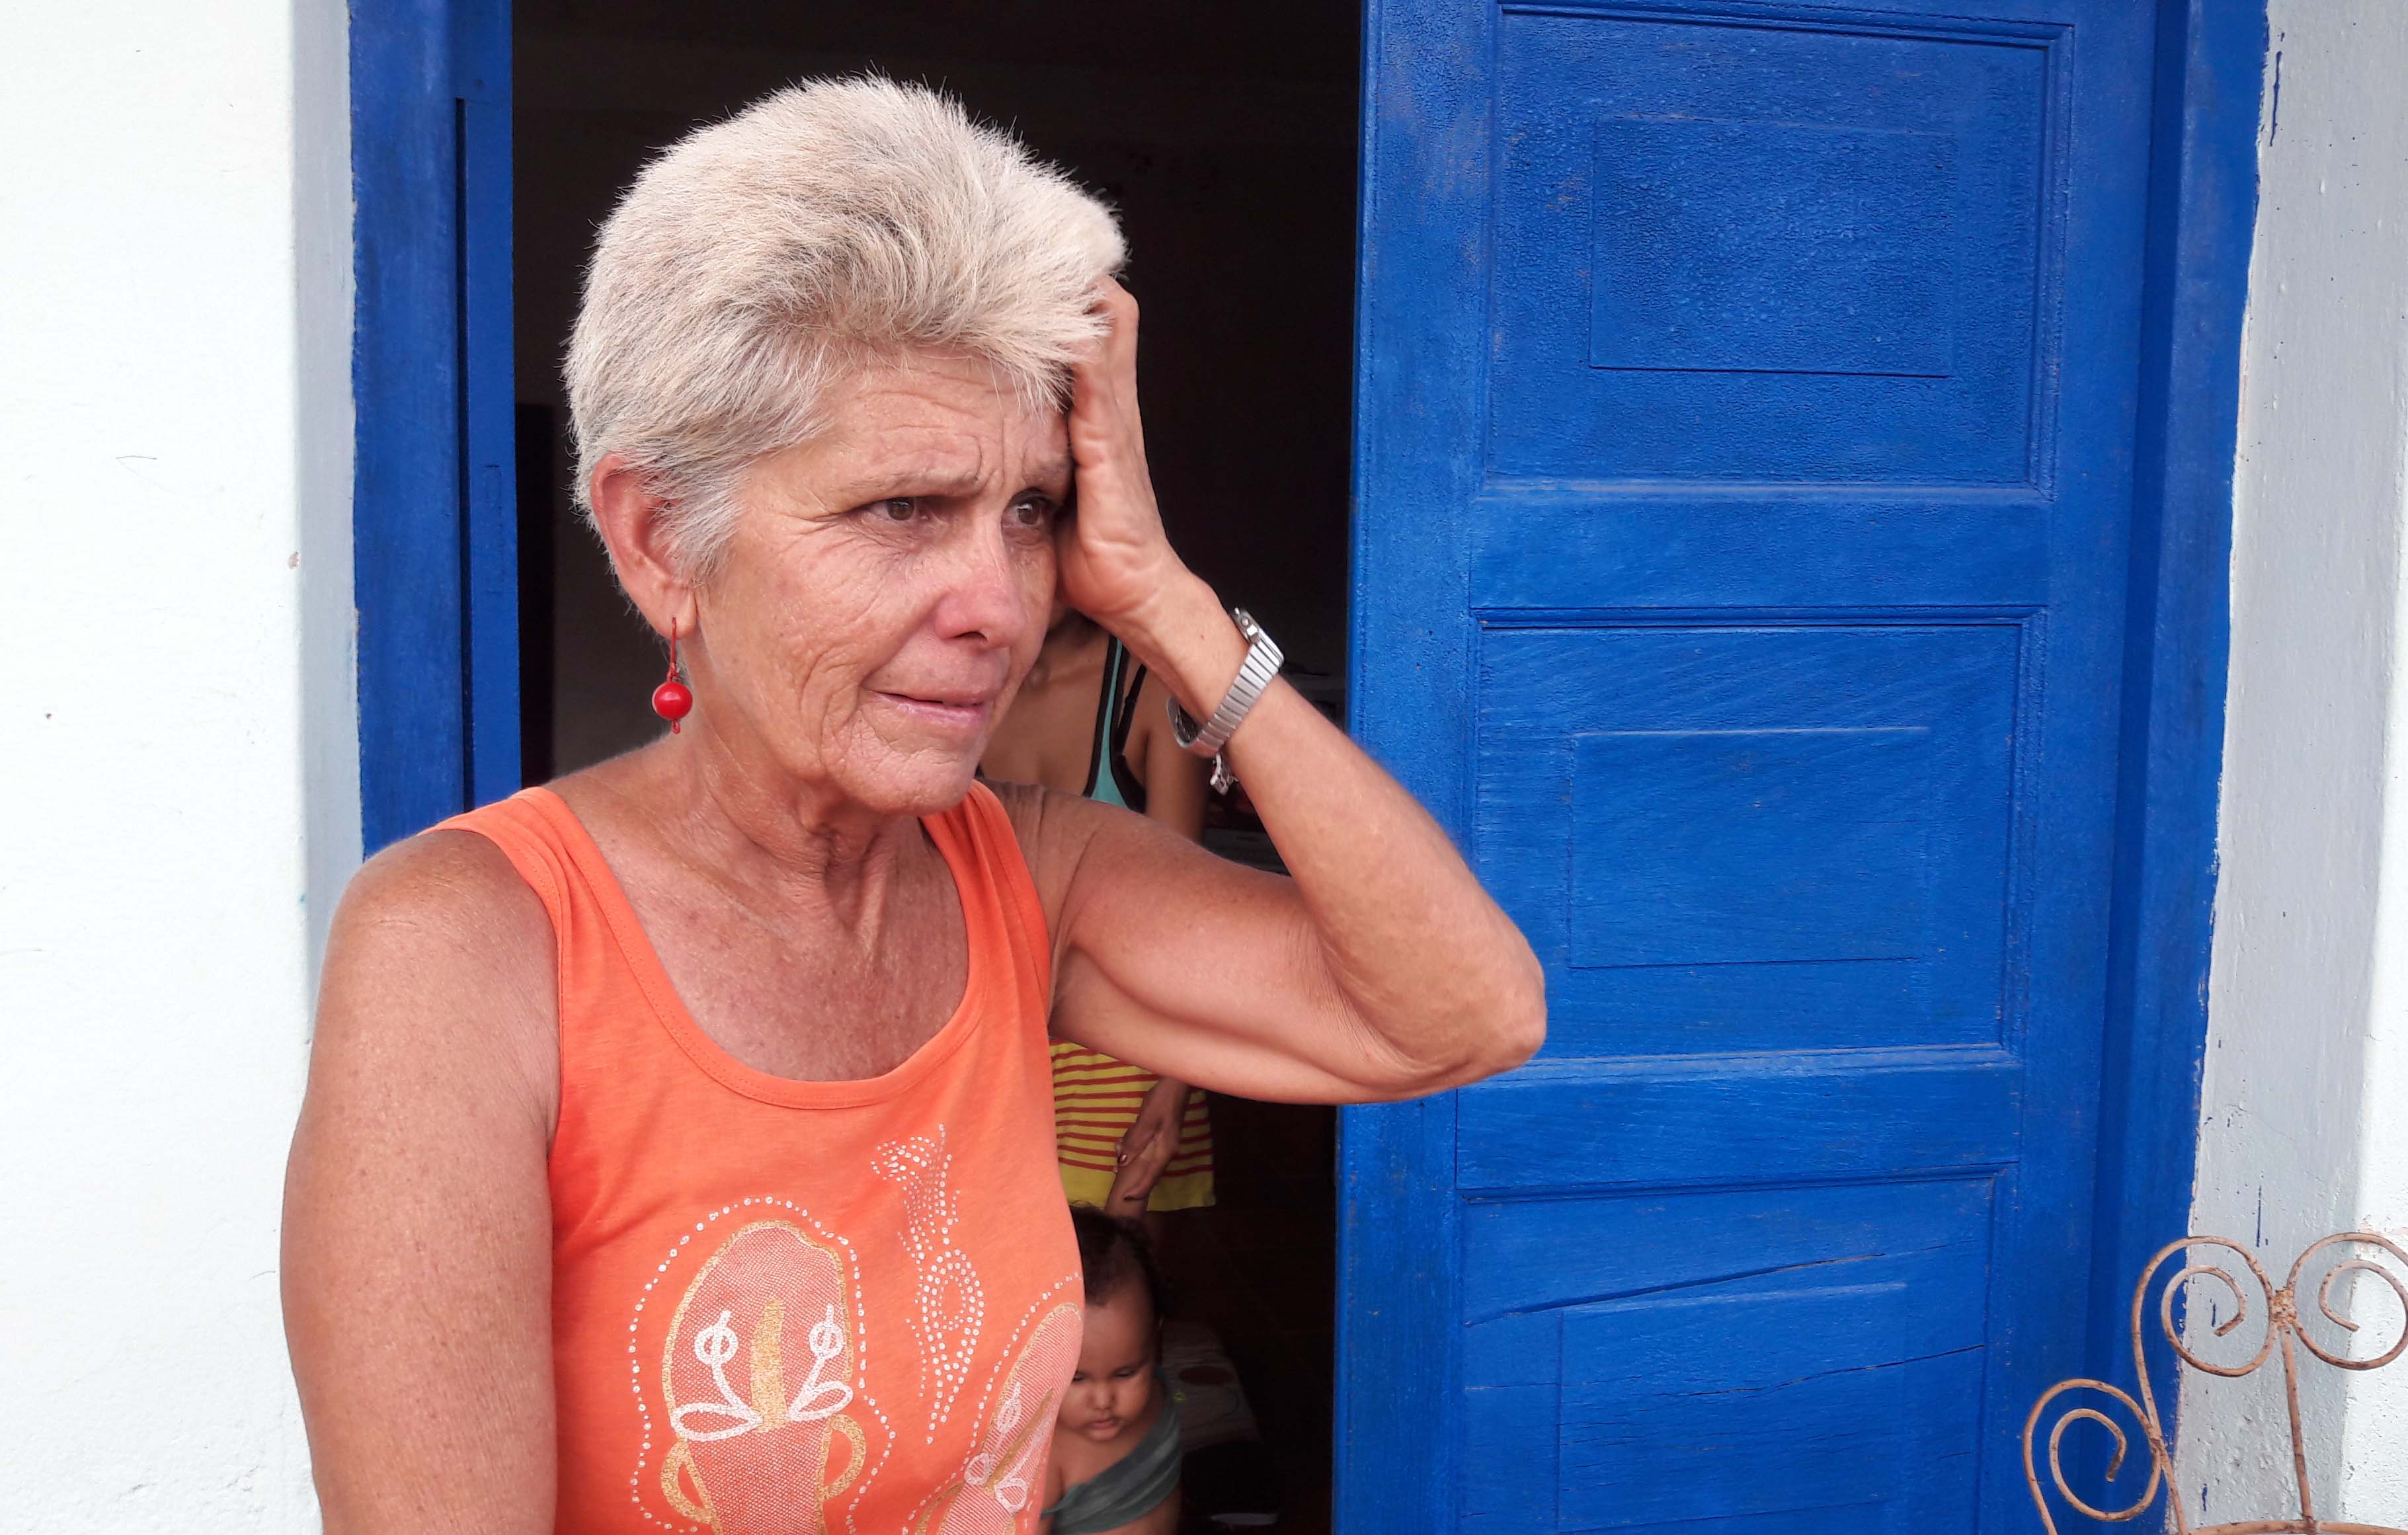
<point x="1262" y="663"/>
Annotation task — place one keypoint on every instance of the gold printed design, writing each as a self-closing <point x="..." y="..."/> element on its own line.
<point x="680" y="1459"/>
<point x="769" y="1365"/>
<point x="852" y="1436"/>
<point x="759" y="1462"/>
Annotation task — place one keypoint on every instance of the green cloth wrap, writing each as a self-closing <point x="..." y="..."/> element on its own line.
<point x="1129" y="1487"/>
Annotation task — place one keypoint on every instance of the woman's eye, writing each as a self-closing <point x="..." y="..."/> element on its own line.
<point x="897" y="508"/>
<point x="1032" y="511"/>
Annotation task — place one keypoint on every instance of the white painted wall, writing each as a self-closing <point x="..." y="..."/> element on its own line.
<point x="2305" y="1101"/>
<point x="178" y="756"/>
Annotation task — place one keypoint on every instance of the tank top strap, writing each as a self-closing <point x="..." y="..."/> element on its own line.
<point x="615" y="1006"/>
<point x="546" y="859"/>
<point x="1106" y="775"/>
<point x="1099" y="756"/>
<point x="1124" y="777"/>
<point x="984" y="840"/>
<point x="516" y="826"/>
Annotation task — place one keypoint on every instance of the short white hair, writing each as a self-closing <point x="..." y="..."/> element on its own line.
<point x="836" y="223"/>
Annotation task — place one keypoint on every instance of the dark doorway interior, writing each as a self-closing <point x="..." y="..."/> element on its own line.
<point x="1226" y="136"/>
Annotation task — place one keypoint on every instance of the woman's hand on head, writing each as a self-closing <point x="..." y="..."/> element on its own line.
<point x="1381" y="970"/>
<point x="1114" y="555"/>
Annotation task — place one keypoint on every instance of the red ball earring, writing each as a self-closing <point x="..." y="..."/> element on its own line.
<point x="673" y="700"/>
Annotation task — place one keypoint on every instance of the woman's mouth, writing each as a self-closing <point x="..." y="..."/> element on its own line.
<point x="953" y="715"/>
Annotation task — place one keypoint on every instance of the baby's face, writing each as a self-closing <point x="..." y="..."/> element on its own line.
<point x="1114" y="1382"/>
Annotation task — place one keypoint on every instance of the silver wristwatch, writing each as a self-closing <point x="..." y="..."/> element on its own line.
<point x="1262" y="663"/>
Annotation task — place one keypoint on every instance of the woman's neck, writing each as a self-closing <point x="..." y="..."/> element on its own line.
<point x="805" y="846"/>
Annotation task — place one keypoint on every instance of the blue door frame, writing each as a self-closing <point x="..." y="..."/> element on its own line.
<point x="436" y="583"/>
<point x="434" y="517"/>
<point x="2211" y="68"/>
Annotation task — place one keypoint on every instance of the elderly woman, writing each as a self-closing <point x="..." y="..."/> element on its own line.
<point x="679" y="1146"/>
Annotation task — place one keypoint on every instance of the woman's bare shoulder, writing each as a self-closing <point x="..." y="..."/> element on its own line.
<point x="440" y="954"/>
<point x="1083" y="852"/>
<point x="1054" y="830"/>
<point x="454" y="886"/>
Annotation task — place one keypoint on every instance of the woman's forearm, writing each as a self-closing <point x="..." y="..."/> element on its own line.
<point x="1427" y="961"/>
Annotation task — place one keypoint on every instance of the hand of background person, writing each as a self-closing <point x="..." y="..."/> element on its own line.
<point x="1158" y="1118"/>
<point x="1113" y="555"/>
<point x="1141" y="1169"/>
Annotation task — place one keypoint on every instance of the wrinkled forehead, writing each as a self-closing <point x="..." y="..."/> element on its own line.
<point x="951" y="422"/>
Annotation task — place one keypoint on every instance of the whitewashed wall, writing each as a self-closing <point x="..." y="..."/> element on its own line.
<point x="177" y="752"/>
<point x="2304" y="1103"/>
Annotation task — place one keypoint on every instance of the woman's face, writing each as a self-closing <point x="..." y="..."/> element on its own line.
<point x="888" y="584"/>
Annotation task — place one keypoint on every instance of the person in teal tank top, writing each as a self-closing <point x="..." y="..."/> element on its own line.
<point x="1089" y="721"/>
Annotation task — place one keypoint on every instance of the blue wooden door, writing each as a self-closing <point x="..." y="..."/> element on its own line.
<point x="1745" y="411"/>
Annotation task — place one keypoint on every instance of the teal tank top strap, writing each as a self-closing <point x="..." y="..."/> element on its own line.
<point x="1102" y="784"/>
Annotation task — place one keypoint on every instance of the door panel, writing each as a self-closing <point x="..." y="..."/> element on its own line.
<point x="1733" y="249"/>
<point x="1782" y="1355"/>
<point x="1748" y="836"/>
<point x="1745" y="408"/>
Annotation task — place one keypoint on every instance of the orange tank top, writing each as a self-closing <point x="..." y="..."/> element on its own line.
<point x="796" y="1306"/>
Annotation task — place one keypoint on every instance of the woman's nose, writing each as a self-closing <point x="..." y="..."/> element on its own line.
<point x="985" y="596"/>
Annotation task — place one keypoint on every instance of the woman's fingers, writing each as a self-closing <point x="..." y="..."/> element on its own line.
<point x="1114" y="552"/>
<point x="1105" y="433"/>
<point x="1120" y="341"/>
<point x="1119" y="305"/>
<point x="1111" y="361"/>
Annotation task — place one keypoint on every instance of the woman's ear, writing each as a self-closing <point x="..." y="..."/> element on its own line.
<point x="635" y="524"/>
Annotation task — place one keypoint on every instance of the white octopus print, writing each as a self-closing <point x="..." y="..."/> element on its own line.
<point x="758" y="1382"/>
<point x="950" y="1303"/>
<point x="1004" y="1478"/>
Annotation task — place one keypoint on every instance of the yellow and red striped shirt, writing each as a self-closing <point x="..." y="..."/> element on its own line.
<point x="1096" y="1100"/>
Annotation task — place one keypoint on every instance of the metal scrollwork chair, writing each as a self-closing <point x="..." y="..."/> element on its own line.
<point x="2284" y="1328"/>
